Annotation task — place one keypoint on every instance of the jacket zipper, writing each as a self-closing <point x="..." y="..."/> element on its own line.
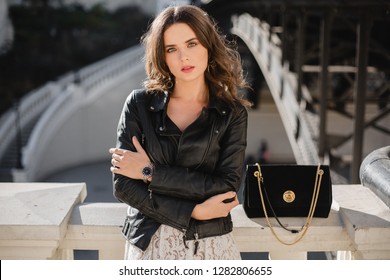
<point x="196" y="243"/>
<point x="184" y="238"/>
<point x="208" y="144"/>
<point x="151" y="199"/>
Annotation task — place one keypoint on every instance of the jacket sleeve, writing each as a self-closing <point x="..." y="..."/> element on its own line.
<point x="165" y="209"/>
<point x="199" y="185"/>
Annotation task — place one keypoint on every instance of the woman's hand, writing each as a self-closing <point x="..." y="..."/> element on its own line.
<point x="215" y="207"/>
<point x="128" y="163"/>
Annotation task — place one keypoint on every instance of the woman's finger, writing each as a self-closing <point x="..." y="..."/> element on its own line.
<point x="117" y="157"/>
<point x="115" y="162"/>
<point x="116" y="151"/>
<point x="228" y="196"/>
<point x="137" y="145"/>
<point x="115" y="170"/>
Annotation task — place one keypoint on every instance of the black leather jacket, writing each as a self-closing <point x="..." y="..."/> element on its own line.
<point x="205" y="160"/>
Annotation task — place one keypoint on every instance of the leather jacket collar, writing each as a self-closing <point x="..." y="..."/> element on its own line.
<point x="159" y="101"/>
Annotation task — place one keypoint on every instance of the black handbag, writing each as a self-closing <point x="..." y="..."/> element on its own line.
<point x="287" y="191"/>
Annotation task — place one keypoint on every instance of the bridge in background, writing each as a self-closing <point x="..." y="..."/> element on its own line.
<point x="321" y="58"/>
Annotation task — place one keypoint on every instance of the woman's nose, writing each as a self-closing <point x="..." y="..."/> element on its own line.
<point x="184" y="56"/>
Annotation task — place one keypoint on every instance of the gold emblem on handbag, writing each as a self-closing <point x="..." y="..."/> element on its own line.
<point x="289" y="196"/>
<point x="292" y="191"/>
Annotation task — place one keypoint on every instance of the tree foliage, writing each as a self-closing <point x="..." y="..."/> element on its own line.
<point x="52" y="40"/>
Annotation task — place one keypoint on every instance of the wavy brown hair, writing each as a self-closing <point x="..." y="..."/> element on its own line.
<point x="224" y="75"/>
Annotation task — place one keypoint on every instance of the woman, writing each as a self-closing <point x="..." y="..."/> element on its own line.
<point x="181" y="142"/>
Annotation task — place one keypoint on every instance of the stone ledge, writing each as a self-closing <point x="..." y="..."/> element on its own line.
<point x="359" y="223"/>
<point x="34" y="217"/>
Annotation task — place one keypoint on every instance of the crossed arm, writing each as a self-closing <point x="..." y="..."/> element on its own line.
<point x="130" y="163"/>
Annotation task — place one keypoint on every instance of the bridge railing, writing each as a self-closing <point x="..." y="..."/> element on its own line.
<point x="50" y="221"/>
<point x="90" y="80"/>
<point x="29" y="108"/>
<point x="282" y="83"/>
<point x="96" y="74"/>
<point x="50" y="103"/>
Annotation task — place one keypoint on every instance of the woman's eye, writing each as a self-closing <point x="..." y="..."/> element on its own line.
<point x="170" y="50"/>
<point x="192" y="44"/>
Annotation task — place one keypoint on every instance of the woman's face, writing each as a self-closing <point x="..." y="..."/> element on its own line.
<point x="185" y="56"/>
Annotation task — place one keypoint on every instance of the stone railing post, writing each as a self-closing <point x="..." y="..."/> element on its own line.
<point x="34" y="218"/>
<point x="375" y="173"/>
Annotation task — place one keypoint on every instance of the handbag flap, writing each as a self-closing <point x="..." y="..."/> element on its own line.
<point x="289" y="189"/>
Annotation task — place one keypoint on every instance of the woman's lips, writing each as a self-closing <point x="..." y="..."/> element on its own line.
<point x="187" y="69"/>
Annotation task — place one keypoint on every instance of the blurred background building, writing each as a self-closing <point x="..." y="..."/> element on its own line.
<point x="6" y="29"/>
<point x="150" y="7"/>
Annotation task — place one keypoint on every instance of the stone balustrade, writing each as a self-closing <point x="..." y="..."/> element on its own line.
<point x="50" y="221"/>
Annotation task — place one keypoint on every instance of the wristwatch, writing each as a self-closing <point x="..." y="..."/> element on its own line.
<point x="147" y="172"/>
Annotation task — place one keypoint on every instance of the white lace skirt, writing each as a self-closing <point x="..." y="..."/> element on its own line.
<point x="168" y="244"/>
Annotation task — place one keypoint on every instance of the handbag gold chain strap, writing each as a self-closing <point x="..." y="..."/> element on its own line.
<point x="305" y="227"/>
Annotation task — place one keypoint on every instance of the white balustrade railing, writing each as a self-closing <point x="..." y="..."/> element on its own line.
<point x="50" y="221"/>
<point x="48" y="124"/>
<point x="92" y="79"/>
<point x="282" y="83"/>
<point x="54" y="101"/>
<point x="95" y="74"/>
<point x="29" y="108"/>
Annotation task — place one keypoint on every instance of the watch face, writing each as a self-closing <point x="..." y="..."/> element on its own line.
<point x="147" y="171"/>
